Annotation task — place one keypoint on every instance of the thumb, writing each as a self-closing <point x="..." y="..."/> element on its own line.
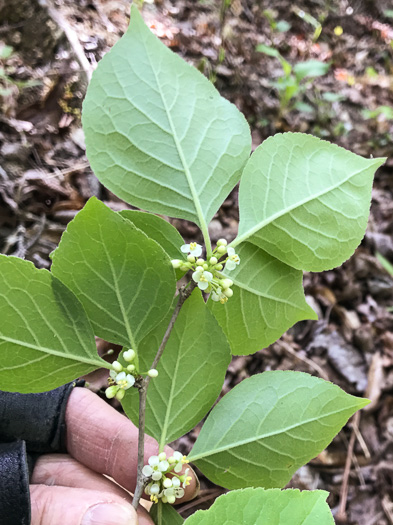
<point x="74" y="506"/>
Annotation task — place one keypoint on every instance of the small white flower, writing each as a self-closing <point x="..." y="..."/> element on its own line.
<point x="233" y="259"/>
<point x="163" y="466"/>
<point x="192" y="249"/>
<point x="178" y="456"/>
<point x="176" y="482"/>
<point x="125" y="381"/>
<point x="156" y="475"/>
<point x="147" y="471"/>
<point x="202" y="277"/>
<point x="154" y="461"/>
<point x="219" y="296"/>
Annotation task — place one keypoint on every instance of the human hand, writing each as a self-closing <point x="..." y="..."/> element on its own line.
<point x="73" y="489"/>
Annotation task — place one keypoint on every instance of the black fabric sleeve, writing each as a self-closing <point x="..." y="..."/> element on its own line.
<point x="38" y="419"/>
<point x="14" y="484"/>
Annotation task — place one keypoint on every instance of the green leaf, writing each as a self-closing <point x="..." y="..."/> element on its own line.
<point x="267" y="299"/>
<point x="191" y="373"/>
<point x="160" y="231"/>
<point x="46" y="339"/>
<point x="123" y="279"/>
<point x="266" y="507"/>
<point x="268" y="426"/>
<point x="305" y="201"/>
<point x="158" y="134"/>
<point x="157" y="229"/>
<point x="165" y="514"/>
<point x="310" y="68"/>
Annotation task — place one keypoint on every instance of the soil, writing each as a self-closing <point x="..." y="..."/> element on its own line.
<point x="45" y="180"/>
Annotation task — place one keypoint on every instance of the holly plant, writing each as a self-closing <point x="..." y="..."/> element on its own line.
<point x="160" y="137"/>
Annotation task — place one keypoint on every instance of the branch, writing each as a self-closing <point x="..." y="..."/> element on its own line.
<point x="142" y="385"/>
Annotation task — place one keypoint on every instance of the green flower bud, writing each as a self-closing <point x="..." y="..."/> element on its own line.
<point x="190" y="258"/>
<point x="129" y="355"/>
<point x="226" y="283"/>
<point x="221" y="250"/>
<point x="162" y="456"/>
<point x="184" y="268"/>
<point x="130" y="368"/>
<point x="111" y="391"/>
<point x="118" y="367"/>
<point x="222" y="242"/>
<point x="200" y="262"/>
<point x="152" y="373"/>
<point x="228" y="292"/>
<point x="213" y="260"/>
<point x="176" y="263"/>
<point x="219" y="266"/>
<point x="120" y="394"/>
<point x="205" y="266"/>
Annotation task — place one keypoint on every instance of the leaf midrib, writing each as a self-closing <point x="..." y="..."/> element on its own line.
<point x="262" y="436"/>
<point x="197" y="204"/>
<point x="277" y="215"/>
<point x="99" y="363"/>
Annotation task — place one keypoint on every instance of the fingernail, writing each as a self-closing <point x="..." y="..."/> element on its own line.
<point x="109" y="514"/>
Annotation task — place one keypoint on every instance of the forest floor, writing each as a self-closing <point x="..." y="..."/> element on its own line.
<point x="46" y="58"/>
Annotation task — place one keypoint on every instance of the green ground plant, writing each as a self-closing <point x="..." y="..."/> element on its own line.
<point x="161" y="138"/>
<point x="295" y="80"/>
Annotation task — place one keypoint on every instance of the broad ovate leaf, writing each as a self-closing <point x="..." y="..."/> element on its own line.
<point x="124" y="280"/>
<point x="165" y="514"/>
<point x="305" y="201"/>
<point x="268" y="426"/>
<point x="267" y="299"/>
<point x="158" y="134"/>
<point x="191" y="372"/>
<point x="256" y="506"/>
<point x="46" y="339"/>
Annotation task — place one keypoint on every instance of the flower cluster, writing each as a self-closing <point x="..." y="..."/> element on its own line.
<point x="165" y="482"/>
<point x="121" y="378"/>
<point x="207" y="273"/>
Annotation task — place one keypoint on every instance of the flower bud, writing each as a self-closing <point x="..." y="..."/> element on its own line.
<point x="171" y="499"/>
<point x="131" y="368"/>
<point x="118" y="367"/>
<point x="222" y="242"/>
<point x="184" y="268"/>
<point x="155" y="488"/>
<point x="205" y="266"/>
<point x="226" y="283"/>
<point x="111" y="391"/>
<point x="162" y="456"/>
<point x="129" y="355"/>
<point x="221" y="250"/>
<point x="219" y="267"/>
<point x="120" y="394"/>
<point x="228" y="292"/>
<point x="176" y="263"/>
<point x="152" y="373"/>
<point x="213" y="260"/>
<point x="190" y="258"/>
<point x="167" y="483"/>
<point x="200" y="262"/>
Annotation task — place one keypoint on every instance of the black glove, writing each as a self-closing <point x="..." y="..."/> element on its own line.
<point x="30" y="424"/>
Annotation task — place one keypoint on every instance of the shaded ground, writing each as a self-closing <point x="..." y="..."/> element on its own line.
<point x="45" y="179"/>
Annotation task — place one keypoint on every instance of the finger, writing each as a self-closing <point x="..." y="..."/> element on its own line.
<point x="106" y="442"/>
<point x="50" y="505"/>
<point x="60" y="469"/>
